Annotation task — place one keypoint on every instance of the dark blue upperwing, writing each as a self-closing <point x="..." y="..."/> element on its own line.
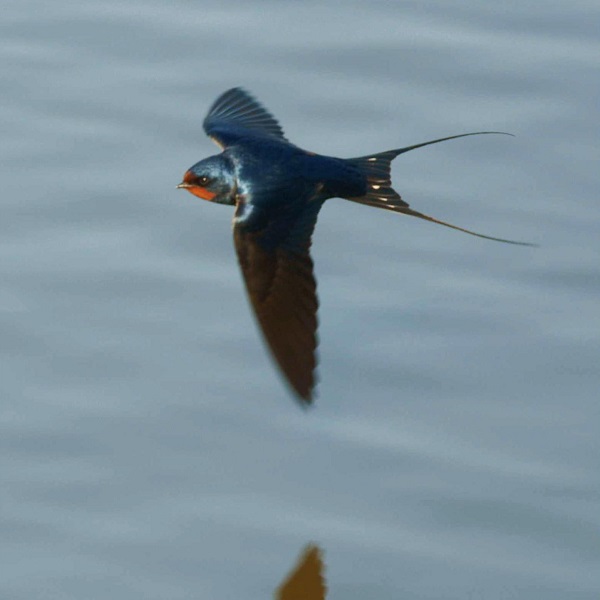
<point x="237" y="114"/>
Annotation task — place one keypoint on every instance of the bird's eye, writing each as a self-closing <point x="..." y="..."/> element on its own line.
<point x="202" y="180"/>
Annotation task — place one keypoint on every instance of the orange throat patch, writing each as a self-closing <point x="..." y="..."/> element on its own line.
<point x="201" y="192"/>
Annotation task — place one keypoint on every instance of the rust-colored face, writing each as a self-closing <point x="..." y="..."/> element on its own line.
<point x="194" y="185"/>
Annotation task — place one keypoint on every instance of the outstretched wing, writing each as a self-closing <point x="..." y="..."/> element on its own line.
<point x="274" y="257"/>
<point x="237" y="114"/>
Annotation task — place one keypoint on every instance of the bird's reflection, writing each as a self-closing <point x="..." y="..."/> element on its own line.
<point x="305" y="581"/>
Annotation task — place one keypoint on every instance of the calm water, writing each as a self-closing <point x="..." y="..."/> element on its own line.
<point x="149" y="450"/>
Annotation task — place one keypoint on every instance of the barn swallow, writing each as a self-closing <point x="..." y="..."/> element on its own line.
<point x="278" y="190"/>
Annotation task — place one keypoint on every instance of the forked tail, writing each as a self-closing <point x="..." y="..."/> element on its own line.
<point x="381" y="194"/>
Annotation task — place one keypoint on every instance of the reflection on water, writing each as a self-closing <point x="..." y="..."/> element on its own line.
<point x="306" y="580"/>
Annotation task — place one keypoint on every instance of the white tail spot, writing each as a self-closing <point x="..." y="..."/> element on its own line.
<point x="375" y="187"/>
<point x="371" y="159"/>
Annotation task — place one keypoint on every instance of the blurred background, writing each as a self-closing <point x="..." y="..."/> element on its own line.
<point x="149" y="449"/>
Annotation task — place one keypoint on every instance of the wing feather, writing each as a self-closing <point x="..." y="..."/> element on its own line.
<point x="283" y="293"/>
<point x="236" y="114"/>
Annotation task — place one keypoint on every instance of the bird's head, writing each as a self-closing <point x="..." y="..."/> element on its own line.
<point x="211" y="179"/>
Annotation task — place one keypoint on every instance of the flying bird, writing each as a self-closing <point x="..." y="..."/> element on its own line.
<point x="278" y="190"/>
